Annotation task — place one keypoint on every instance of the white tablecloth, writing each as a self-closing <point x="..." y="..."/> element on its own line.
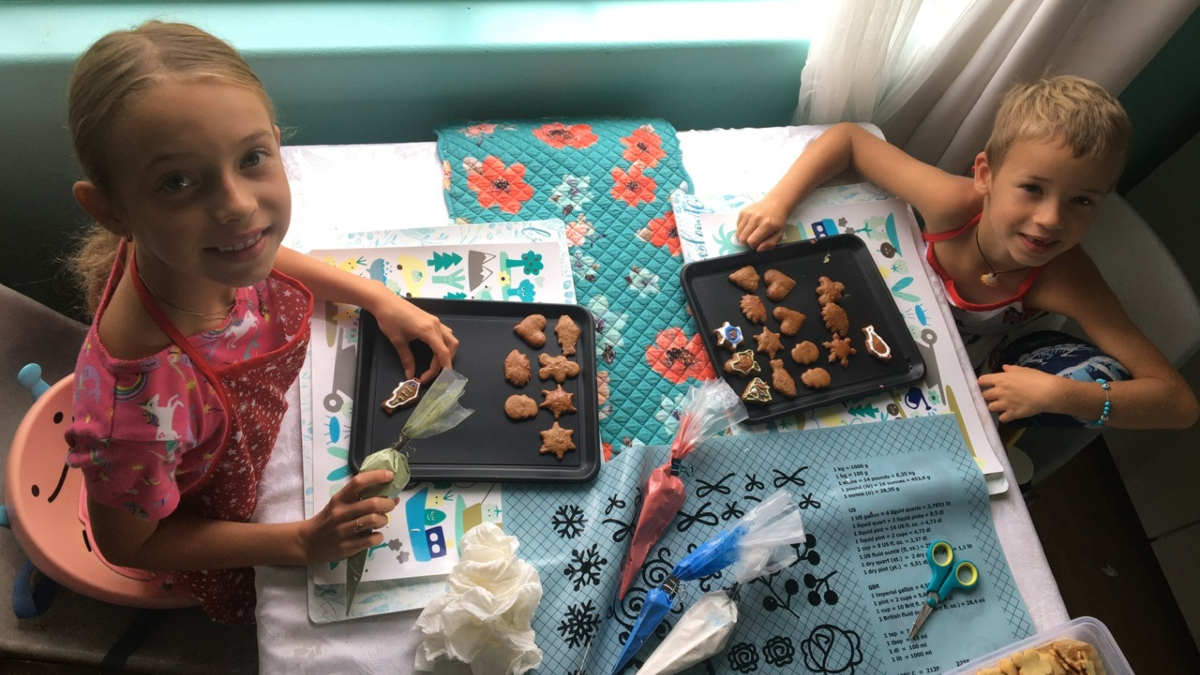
<point x="373" y="187"/>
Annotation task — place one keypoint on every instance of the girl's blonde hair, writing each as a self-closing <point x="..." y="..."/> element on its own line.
<point x="107" y="78"/>
<point x="1076" y="111"/>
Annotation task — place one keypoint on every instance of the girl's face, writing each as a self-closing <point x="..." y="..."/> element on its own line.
<point x="1041" y="200"/>
<point x="198" y="181"/>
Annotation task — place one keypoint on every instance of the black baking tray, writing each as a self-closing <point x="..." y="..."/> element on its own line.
<point x="487" y="446"/>
<point x="714" y="299"/>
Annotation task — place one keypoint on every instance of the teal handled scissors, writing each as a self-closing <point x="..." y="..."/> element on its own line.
<point x="948" y="575"/>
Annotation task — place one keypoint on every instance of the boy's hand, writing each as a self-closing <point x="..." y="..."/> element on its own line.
<point x="346" y="525"/>
<point x="1019" y="392"/>
<point x="760" y="225"/>
<point x="403" y="322"/>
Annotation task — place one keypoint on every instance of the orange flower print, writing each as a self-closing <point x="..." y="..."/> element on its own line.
<point x="677" y="357"/>
<point x="497" y="184"/>
<point x="633" y="187"/>
<point x="558" y="135"/>
<point x="481" y="129"/>
<point x="663" y="232"/>
<point x="644" y="146"/>
<point x="446" y="174"/>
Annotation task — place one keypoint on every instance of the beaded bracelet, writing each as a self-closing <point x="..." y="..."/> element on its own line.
<point x="1107" y="403"/>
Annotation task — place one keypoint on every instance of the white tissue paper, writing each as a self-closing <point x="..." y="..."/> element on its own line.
<point x="485" y="618"/>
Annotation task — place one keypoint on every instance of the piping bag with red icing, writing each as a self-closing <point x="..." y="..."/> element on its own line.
<point x="706" y="410"/>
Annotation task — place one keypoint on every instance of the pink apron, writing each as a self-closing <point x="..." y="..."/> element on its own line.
<point x="254" y="396"/>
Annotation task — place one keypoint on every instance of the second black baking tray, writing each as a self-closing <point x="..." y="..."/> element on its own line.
<point x="714" y="299"/>
<point x="487" y="446"/>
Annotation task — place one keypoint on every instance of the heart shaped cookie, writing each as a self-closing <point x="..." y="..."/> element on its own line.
<point x="790" y="321"/>
<point x="530" y="329"/>
<point x="778" y="284"/>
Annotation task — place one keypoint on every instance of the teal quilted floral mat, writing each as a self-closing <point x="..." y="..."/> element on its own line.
<point x="610" y="181"/>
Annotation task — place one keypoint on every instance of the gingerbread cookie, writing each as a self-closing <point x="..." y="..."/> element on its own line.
<point x="517" y="369"/>
<point x="557" y="441"/>
<point x="560" y="401"/>
<point x="778" y="284"/>
<point x="829" y="291"/>
<point x="875" y="345"/>
<point x="753" y="308"/>
<point x="520" y="407"/>
<point x="816" y="378"/>
<point x="840" y="350"/>
<point x="404" y="395"/>
<point x="745" y="278"/>
<point x="768" y="342"/>
<point x="835" y="319"/>
<point x="742" y="363"/>
<point x="805" y="353"/>
<point x="790" y="321"/>
<point x="558" y="368"/>
<point x="783" y="382"/>
<point x="530" y="329"/>
<point x="757" y="392"/>
<point x="728" y="335"/>
<point x="568" y="334"/>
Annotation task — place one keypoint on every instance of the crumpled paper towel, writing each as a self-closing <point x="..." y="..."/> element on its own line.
<point x="484" y="619"/>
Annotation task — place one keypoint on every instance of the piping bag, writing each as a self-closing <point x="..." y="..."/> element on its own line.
<point x="707" y="409"/>
<point x="759" y="543"/>
<point x="437" y="412"/>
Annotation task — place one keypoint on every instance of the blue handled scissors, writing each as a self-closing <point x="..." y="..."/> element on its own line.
<point x="948" y="576"/>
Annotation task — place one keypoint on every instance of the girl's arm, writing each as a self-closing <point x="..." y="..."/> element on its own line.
<point x="181" y="542"/>
<point x="398" y="318"/>
<point x="940" y="197"/>
<point x="1156" y="398"/>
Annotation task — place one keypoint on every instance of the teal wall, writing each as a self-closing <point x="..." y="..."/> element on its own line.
<point x="1163" y="103"/>
<point x="378" y="72"/>
<point x="392" y="71"/>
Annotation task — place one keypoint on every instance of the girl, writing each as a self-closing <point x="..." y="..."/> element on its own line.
<point x="1005" y="245"/>
<point x="202" y="325"/>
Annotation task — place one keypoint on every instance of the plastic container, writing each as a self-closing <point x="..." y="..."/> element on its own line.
<point x="1084" y="629"/>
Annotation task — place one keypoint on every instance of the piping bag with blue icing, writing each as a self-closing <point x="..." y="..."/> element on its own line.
<point x="437" y="412"/>
<point x="759" y="543"/>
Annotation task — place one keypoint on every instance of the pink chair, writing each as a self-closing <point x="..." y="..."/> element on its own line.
<point x="47" y="507"/>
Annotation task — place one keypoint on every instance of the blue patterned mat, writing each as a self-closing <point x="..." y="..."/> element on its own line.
<point x="839" y="609"/>
<point x="610" y="181"/>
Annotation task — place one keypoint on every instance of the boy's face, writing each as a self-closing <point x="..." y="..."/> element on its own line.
<point x="1041" y="199"/>
<point x="197" y="179"/>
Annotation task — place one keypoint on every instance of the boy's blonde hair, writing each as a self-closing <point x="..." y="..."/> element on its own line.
<point x="1077" y="111"/>
<point x="107" y="77"/>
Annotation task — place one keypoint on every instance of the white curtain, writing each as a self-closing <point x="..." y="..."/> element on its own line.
<point x="931" y="73"/>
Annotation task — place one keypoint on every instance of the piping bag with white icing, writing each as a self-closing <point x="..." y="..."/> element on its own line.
<point x="759" y="543"/>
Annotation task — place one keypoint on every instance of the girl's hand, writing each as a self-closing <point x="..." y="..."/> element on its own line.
<point x="1020" y="392"/>
<point x="760" y="225"/>
<point x="403" y="322"/>
<point x="346" y="525"/>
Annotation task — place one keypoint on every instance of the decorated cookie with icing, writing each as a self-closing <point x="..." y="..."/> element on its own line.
<point x="757" y="392"/>
<point x="875" y="345"/>
<point x="728" y="336"/>
<point x="742" y="363"/>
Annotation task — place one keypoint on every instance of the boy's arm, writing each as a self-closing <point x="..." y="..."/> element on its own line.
<point x="945" y="201"/>
<point x="1157" y="397"/>
<point x="398" y="318"/>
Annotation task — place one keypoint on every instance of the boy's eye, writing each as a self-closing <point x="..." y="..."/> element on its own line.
<point x="254" y="158"/>
<point x="1083" y="201"/>
<point x="1031" y="188"/>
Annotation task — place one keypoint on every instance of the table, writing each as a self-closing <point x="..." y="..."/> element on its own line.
<point x="374" y="187"/>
